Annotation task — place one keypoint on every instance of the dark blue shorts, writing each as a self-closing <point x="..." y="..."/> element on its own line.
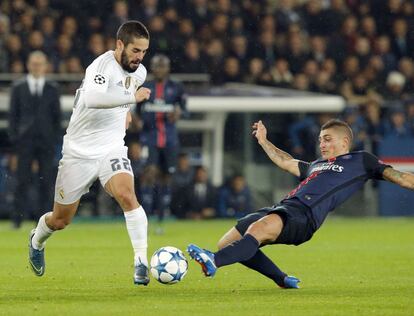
<point x="164" y="158"/>
<point x="298" y="225"/>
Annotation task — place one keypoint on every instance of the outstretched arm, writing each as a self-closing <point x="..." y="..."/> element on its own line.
<point x="282" y="159"/>
<point x="403" y="179"/>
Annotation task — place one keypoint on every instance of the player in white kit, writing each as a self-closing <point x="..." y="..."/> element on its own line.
<point x="93" y="146"/>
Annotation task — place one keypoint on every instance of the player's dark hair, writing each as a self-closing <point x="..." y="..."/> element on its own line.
<point x="336" y="123"/>
<point x="130" y="30"/>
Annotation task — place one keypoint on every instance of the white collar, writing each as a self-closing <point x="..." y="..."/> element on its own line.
<point x="33" y="82"/>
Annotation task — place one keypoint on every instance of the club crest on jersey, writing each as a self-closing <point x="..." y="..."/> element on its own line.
<point x="127" y="82"/>
<point x="61" y="194"/>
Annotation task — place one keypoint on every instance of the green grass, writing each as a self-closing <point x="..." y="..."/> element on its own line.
<point x="350" y="267"/>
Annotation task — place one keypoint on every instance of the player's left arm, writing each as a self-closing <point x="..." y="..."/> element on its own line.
<point x="403" y="179"/>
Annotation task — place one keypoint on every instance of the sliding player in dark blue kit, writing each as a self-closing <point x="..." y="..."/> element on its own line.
<point x="326" y="183"/>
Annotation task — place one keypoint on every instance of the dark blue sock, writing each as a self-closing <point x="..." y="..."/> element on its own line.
<point x="240" y="250"/>
<point x="262" y="264"/>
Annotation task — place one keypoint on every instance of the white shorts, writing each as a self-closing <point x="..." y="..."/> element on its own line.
<point x="75" y="176"/>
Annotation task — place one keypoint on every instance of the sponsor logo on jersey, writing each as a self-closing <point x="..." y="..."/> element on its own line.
<point x="119" y="84"/>
<point x="327" y="166"/>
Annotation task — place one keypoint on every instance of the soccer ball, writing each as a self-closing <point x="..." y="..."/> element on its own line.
<point x="168" y="265"/>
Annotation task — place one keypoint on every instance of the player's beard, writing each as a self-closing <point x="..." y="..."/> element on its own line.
<point x="126" y="63"/>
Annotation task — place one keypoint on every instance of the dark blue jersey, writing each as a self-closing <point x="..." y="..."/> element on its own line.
<point x="158" y="129"/>
<point x="327" y="183"/>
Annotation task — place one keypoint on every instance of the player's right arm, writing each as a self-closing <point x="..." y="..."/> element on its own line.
<point x="99" y="98"/>
<point x="95" y="88"/>
<point x="281" y="158"/>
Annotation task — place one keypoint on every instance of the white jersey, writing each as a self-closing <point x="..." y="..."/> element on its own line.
<point x="93" y="132"/>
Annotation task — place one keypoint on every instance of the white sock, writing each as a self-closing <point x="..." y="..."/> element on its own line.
<point x="42" y="233"/>
<point x="137" y="224"/>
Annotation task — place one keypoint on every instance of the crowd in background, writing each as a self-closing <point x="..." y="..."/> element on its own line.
<point x="362" y="50"/>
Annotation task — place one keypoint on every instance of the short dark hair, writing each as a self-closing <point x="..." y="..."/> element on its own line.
<point x="131" y="29"/>
<point x="343" y="126"/>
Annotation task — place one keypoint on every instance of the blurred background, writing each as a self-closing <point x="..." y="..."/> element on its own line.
<point x="292" y="63"/>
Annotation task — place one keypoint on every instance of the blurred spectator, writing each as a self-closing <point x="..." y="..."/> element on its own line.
<point x="255" y="71"/>
<point x="303" y="136"/>
<point x="137" y="161"/>
<point x="69" y="29"/>
<point x="184" y="173"/>
<point x="358" y="91"/>
<point x="352" y="116"/>
<point x="362" y="50"/>
<point x="402" y="45"/>
<point x="47" y="27"/>
<point x="395" y="85"/>
<point x="43" y="9"/>
<point x="280" y="73"/>
<point x="34" y="128"/>
<point x="8" y="182"/>
<point x="148" y="189"/>
<point x="14" y="49"/>
<point x="64" y="49"/>
<point x="199" y="197"/>
<point x="311" y="70"/>
<point x="315" y="18"/>
<point x="383" y="50"/>
<point x="324" y="83"/>
<point x="231" y="72"/>
<point x="342" y="43"/>
<point x="335" y="15"/>
<point x="199" y="12"/>
<point x="318" y="50"/>
<point x="119" y="16"/>
<point x="297" y="53"/>
<point x="266" y="47"/>
<point x="301" y="82"/>
<point x="240" y="50"/>
<point x="215" y="57"/>
<point x="36" y="41"/>
<point x="286" y="14"/>
<point x="192" y="59"/>
<point x="4" y="33"/>
<point x="234" y="199"/>
<point x="406" y="68"/>
<point x="17" y="67"/>
<point x="374" y="126"/>
<point x="180" y="180"/>
<point x="159" y="40"/>
<point x="369" y="29"/>
<point x="96" y="47"/>
<point x="71" y="65"/>
<point x="409" y="106"/>
<point x="25" y="24"/>
<point x="143" y="10"/>
<point x="396" y="124"/>
<point x="219" y="26"/>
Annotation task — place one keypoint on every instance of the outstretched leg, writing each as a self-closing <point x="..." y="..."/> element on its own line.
<point x="259" y="262"/>
<point x="261" y="232"/>
<point x="245" y="249"/>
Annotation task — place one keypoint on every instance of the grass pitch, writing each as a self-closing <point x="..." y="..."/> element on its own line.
<point x="350" y="267"/>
